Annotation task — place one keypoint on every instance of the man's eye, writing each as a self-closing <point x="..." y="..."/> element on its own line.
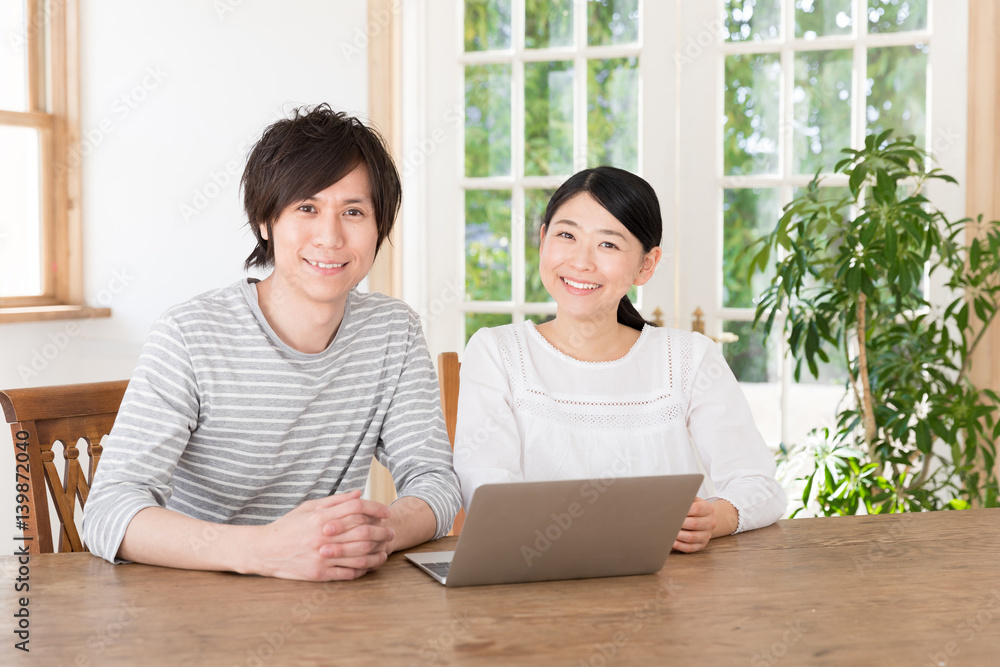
<point x="354" y="212"/>
<point x="307" y="208"/>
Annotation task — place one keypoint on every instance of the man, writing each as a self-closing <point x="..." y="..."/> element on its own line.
<point x="245" y="436"/>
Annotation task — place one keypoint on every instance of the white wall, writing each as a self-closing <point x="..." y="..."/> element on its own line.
<point x="172" y="93"/>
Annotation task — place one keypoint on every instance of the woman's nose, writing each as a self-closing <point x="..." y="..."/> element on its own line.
<point x="583" y="258"/>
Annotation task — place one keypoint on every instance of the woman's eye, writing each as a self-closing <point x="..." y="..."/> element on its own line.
<point x="565" y="235"/>
<point x="609" y="244"/>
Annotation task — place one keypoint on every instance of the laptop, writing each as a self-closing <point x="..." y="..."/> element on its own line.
<point x="567" y="529"/>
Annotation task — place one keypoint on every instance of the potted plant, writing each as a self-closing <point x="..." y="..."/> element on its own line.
<point x="850" y="287"/>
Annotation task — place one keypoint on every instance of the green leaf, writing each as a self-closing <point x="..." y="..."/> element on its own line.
<point x="962" y="317"/>
<point x="923" y="433"/>
<point x="857" y="179"/>
<point x="891" y="246"/>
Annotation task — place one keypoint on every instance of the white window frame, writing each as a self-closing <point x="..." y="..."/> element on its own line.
<point x="703" y="195"/>
<point x="441" y="61"/>
<point x="681" y="71"/>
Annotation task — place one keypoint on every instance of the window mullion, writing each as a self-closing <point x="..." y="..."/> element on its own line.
<point x="859" y="76"/>
<point x="36" y="56"/>
<point x="786" y="137"/>
<point x="580" y="86"/>
<point x="518" y="21"/>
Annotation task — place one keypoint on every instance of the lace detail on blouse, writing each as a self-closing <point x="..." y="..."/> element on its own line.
<point x="637" y="413"/>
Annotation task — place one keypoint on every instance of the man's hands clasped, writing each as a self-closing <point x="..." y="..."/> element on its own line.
<point x="333" y="538"/>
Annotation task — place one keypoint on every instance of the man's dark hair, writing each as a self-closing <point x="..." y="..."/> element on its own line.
<point x="300" y="156"/>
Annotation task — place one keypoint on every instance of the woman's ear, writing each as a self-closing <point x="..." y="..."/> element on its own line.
<point x="649" y="262"/>
<point x="541" y="238"/>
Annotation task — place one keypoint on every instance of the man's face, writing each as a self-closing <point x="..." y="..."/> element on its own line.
<point x="325" y="244"/>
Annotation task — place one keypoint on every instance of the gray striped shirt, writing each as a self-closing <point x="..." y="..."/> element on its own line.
<point x="224" y="422"/>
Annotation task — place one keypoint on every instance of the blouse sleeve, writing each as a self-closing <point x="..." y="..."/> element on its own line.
<point x="487" y="441"/>
<point x="732" y="449"/>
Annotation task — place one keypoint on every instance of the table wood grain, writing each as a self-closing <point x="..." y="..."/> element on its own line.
<point x="915" y="589"/>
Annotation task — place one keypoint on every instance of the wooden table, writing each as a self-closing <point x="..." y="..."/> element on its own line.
<point x="916" y="589"/>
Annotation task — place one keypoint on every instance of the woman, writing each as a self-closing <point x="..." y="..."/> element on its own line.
<point x="598" y="391"/>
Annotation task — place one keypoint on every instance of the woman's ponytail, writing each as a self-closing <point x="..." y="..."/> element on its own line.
<point x="629" y="316"/>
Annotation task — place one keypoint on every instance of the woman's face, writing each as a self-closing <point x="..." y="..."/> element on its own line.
<point x="589" y="260"/>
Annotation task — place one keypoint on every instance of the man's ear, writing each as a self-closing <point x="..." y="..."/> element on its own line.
<point x="263" y="230"/>
<point x="649" y="263"/>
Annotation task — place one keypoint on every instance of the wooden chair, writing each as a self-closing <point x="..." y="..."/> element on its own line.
<point x="448" y="368"/>
<point x="39" y="418"/>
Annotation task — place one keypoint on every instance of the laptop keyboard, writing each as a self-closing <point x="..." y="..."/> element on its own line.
<point x="440" y="569"/>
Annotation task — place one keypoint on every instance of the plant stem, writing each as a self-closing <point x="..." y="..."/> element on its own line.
<point x="850" y="375"/>
<point x="924" y="471"/>
<point x="868" y="413"/>
<point x="967" y="364"/>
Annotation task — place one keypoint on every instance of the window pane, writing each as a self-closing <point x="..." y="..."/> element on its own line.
<point x="548" y="118"/>
<point x="817" y="18"/>
<point x="751" y="93"/>
<point x="534" y="212"/>
<point x="13" y="56"/>
<point x="548" y="23"/>
<point x="830" y="195"/>
<point x="755" y="364"/>
<point x="20" y="214"/>
<point x="751" y="358"/>
<point x="897" y="15"/>
<point x="747" y="215"/>
<point x="476" y="321"/>
<point x="613" y="113"/>
<point x="897" y="90"/>
<point x="831" y="373"/>
<point x="487" y="25"/>
<point x="612" y="22"/>
<point x="754" y="20"/>
<point x="487" y="245"/>
<point x="813" y="402"/>
<point x="487" y="120"/>
<point x="822" y="99"/>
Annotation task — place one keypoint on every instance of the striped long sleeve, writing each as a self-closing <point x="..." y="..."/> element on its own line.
<point x="224" y="422"/>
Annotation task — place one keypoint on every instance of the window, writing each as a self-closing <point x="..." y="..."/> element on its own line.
<point x="550" y="87"/>
<point x="739" y="103"/>
<point x="40" y="271"/>
<point x="798" y="80"/>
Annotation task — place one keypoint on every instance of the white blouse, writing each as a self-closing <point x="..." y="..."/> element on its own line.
<point x="671" y="405"/>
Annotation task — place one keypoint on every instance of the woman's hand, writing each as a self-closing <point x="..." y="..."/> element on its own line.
<point x="704" y="521"/>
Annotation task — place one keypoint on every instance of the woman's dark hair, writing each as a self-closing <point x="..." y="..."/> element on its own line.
<point x="627" y="197"/>
<point x="305" y="154"/>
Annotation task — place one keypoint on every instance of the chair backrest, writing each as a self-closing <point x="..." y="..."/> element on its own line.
<point x="448" y="370"/>
<point x="38" y="418"/>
